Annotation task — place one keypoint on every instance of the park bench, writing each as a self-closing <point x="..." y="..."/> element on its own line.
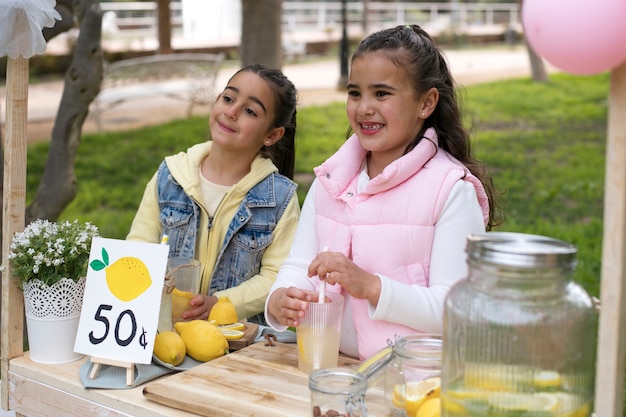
<point x="190" y="77"/>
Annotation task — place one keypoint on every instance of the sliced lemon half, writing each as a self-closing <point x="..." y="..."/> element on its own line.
<point x="430" y="408"/>
<point x="234" y="326"/>
<point x="541" y="401"/>
<point x="232" y="334"/>
<point x="183" y="294"/>
<point x="412" y="395"/>
<point x="547" y="379"/>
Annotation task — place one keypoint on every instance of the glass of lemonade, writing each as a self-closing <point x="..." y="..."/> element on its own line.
<point x="318" y="334"/>
<point x="185" y="274"/>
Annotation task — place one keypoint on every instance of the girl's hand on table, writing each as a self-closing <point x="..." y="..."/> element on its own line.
<point x="201" y="306"/>
<point x="336" y="268"/>
<point x="287" y="305"/>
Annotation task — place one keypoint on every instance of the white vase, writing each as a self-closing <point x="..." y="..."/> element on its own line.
<point x="52" y="316"/>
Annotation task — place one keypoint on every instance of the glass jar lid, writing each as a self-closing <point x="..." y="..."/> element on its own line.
<point x="520" y="250"/>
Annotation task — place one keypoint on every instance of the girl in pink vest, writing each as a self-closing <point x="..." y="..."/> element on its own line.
<point x="394" y="205"/>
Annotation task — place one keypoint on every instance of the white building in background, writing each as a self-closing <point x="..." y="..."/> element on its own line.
<point x="211" y="19"/>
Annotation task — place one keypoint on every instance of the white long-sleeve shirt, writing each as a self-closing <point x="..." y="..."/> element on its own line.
<point x="460" y="217"/>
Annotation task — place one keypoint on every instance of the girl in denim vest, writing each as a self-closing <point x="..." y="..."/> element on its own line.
<point x="230" y="202"/>
<point x="394" y="205"/>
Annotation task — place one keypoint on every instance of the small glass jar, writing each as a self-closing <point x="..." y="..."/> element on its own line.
<point x="415" y="359"/>
<point x="338" y="392"/>
<point x="410" y="370"/>
<point x="519" y="335"/>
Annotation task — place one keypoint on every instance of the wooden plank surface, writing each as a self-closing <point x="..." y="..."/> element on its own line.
<point x="258" y="380"/>
<point x="38" y="390"/>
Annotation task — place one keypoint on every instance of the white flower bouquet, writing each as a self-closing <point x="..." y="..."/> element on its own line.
<point x="51" y="251"/>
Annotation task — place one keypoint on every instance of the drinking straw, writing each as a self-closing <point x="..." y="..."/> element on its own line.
<point x="322" y="296"/>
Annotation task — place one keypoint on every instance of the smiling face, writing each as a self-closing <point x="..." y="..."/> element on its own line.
<point x="242" y="117"/>
<point x="383" y="108"/>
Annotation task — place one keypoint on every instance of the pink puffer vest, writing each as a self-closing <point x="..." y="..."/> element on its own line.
<point x="388" y="228"/>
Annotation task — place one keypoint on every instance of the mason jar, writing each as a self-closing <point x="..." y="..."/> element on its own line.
<point x="414" y="374"/>
<point x="519" y="335"/>
<point x="410" y="369"/>
<point x="338" y="392"/>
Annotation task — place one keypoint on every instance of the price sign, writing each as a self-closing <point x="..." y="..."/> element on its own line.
<point x="122" y="298"/>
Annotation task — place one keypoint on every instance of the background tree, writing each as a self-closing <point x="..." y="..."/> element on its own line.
<point x="537" y="66"/>
<point x="164" y="24"/>
<point x="82" y="84"/>
<point x="261" y="33"/>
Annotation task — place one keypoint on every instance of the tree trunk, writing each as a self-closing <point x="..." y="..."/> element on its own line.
<point x="366" y="18"/>
<point x="82" y="84"/>
<point x="537" y="66"/>
<point x="261" y="30"/>
<point x="164" y="25"/>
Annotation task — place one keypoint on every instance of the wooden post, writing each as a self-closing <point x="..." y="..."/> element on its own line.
<point x="609" y="396"/>
<point x="13" y="207"/>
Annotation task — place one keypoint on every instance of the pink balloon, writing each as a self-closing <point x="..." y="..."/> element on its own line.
<point x="578" y="36"/>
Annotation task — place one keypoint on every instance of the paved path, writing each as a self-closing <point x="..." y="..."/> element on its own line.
<point x="316" y="81"/>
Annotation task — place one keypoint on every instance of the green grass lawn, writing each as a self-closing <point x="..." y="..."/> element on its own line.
<point x="543" y="143"/>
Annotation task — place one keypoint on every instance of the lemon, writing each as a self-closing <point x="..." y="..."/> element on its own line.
<point x="508" y="401"/>
<point x="412" y="395"/>
<point x="203" y="340"/>
<point x="547" y="379"/>
<point x="224" y="312"/>
<point x="568" y="406"/>
<point x="430" y="408"/>
<point x="468" y="394"/>
<point x="494" y="377"/>
<point x="170" y="348"/>
<point x="232" y="334"/>
<point x="234" y="326"/>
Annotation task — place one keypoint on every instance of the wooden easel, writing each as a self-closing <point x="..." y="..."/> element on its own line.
<point x="98" y="362"/>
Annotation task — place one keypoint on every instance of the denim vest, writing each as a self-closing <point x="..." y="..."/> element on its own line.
<point x="249" y="233"/>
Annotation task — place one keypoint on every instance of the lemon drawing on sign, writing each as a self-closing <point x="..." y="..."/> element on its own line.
<point x="127" y="278"/>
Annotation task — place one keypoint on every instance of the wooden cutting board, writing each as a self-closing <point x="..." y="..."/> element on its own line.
<point x="258" y="381"/>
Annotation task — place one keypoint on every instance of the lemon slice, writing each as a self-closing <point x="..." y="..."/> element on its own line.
<point x="547" y="379"/>
<point x="468" y="394"/>
<point x="430" y="408"/>
<point x="232" y="334"/>
<point x="412" y="395"/>
<point x="184" y="294"/>
<point x="523" y="402"/>
<point x="569" y="406"/>
<point x="234" y="326"/>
